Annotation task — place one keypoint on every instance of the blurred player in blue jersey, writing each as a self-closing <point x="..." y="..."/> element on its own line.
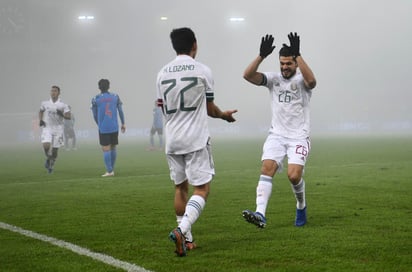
<point x="107" y="108"/>
<point x="185" y="90"/>
<point x="51" y="115"/>
<point x="157" y="127"/>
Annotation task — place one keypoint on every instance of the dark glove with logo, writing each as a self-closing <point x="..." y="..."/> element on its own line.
<point x="266" y="46"/>
<point x="42" y="123"/>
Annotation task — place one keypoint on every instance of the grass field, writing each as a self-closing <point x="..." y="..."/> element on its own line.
<point x="358" y="194"/>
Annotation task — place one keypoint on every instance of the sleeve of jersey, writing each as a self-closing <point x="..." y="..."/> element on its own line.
<point x="267" y="80"/>
<point x="42" y="108"/>
<point x="209" y="82"/>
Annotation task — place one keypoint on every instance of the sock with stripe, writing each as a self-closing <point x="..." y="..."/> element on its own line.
<point x="194" y="208"/>
<point x="263" y="193"/>
<point x="299" y="191"/>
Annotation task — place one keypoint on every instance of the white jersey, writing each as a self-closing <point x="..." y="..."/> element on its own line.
<point x="184" y="85"/>
<point x="290" y="105"/>
<point x="50" y="117"/>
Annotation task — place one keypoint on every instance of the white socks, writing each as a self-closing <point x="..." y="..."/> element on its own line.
<point x="194" y="208"/>
<point x="299" y="190"/>
<point x="263" y="193"/>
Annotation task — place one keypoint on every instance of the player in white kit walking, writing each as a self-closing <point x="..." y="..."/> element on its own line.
<point x="51" y="115"/>
<point x="185" y="92"/>
<point x="290" y="93"/>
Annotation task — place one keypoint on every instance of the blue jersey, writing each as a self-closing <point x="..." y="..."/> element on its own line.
<point x="106" y="107"/>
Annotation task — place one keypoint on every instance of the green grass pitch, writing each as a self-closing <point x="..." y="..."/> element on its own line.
<point x="358" y="195"/>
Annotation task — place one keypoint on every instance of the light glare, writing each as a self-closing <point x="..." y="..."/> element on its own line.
<point x="237" y="19"/>
<point x="86" y="17"/>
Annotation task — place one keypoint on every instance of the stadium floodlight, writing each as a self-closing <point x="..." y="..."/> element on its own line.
<point x="236" y="19"/>
<point x="163" y="18"/>
<point x="86" y="17"/>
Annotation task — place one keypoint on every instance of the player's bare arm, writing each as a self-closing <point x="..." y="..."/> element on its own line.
<point x="214" y="112"/>
<point x="251" y="74"/>
<point x="307" y="73"/>
<point x="308" y="76"/>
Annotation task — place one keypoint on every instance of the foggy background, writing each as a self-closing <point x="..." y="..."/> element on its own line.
<point x="359" y="51"/>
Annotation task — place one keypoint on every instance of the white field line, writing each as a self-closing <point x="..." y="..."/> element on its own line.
<point x="76" y="249"/>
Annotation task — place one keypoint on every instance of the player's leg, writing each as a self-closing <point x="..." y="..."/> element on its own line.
<point x="107" y="158"/>
<point x="46" y="139"/>
<point x="152" y="133"/>
<point x="66" y="140"/>
<point x="113" y="154"/>
<point x="178" y="175"/>
<point x="295" y="172"/>
<point x="46" y="148"/>
<point x="73" y="140"/>
<point x="160" y="134"/>
<point x="52" y="154"/>
<point x="273" y="154"/>
<point x="105" y="142"/>
<point x="113" y="151"/>
<point x="200" y="171"/>
<point x="297" y="156"/>
<point x="56" y="143"/>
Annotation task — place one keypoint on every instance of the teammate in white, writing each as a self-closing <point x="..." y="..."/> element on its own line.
<point x="290" y="93"/>
<point x="185" y="93"/>
<point x="51" y="115"/>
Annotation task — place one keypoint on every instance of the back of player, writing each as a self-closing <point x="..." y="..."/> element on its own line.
<point x="184" y="86"/>
<point x="104" y="106"/>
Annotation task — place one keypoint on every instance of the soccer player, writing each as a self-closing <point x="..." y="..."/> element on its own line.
<point x="157" y="127"/>
<point x="185" y="93"/>
<point x="69" y="133"/>
<point x="107" y="108"/>
<point x="51" y="115"/>
<point x="290" y="93"/>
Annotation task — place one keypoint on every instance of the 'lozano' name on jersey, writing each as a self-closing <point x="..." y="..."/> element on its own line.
<point x="179" y="68"/>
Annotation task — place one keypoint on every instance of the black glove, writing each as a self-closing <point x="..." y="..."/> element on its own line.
<point x="266" y="46"/>
<point x="42" y="123"/>
<point x="60" y="113"/>
<point x="294" y="43"/>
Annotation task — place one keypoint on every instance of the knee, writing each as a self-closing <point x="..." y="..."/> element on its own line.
<point x="294" y="177"/>
<point x="268" y="168"/>
<point x="202" y="191"/>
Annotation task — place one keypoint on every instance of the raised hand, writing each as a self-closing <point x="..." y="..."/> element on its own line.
<point x="266" y="46"/>
<point x="294" y="43"/>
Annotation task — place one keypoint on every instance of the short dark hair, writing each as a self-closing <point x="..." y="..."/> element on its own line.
<point x="104" y="85"/>
<point x="285" y="52"/>
<point x="182" y="40"/>
<point x="56" y="87"/>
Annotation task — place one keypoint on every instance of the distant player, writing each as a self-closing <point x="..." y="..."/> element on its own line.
<point x="157" y="127"/>
<point x="69" y="133"/>
<point x="51" y="115"/>
<point x="185" y="91"/>
<point x="107" y="108"/>
<point x="290" y="94"/>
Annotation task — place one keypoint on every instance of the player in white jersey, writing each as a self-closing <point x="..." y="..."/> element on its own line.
<point x="51" y="115"/>
<point x="185" y="93"/>
<point x="290" y="93"/>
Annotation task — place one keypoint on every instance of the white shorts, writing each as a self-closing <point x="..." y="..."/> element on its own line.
<point x="197" y="167"/>
<point x="52" y="136"/>
<point x="277" y="148"/>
